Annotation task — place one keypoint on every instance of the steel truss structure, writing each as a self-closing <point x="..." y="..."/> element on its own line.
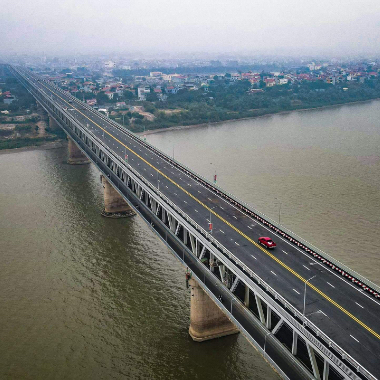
<point x="289" y="341"/>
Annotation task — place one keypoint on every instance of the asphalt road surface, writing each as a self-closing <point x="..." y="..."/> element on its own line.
<point x="350" y="317"/>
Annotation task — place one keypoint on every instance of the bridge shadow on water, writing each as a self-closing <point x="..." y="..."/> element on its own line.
<point x="129" y="304"/>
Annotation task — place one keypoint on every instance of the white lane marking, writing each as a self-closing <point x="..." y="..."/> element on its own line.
<point x="199" y="192"/>
<point x="284" y="252"/>
<point x="185" y="202"/>
<point x="221" y="207"/>
<point x="360" y="305"/>
<point x="234" y="216"/>
<point x="274" y="273"/>
<point x="354" y="338"/>
<point x="249" y="227"/>
<point x="254" y="257"/>
<point x="195" y="210"/>
<point x="166" y="187"/>
<point x="323" y="313"/>
<point x="209" y="199"/>
<point x="237" y="243"/>
<point x="305" y="267"/>
<point x="331" y="285"/>
<point x="175" y="194"/>
<point x="221" y="231"/>
<point x="296" y="291"/>
<point x="346" y="281"/>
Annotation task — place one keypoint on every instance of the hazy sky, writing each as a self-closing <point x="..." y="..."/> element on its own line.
<point x="267" y="26"/>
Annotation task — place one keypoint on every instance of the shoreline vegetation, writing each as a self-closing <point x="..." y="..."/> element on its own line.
<point x="218" y="100"/>
<point x="180" y="127"/>
<point x="54" y="142"/>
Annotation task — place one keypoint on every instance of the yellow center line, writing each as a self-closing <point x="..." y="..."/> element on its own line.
<point x="233" y="227"/>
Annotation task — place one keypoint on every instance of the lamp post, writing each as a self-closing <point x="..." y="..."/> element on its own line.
<point x="304" y="298"/>
<point x="214" y="178"/>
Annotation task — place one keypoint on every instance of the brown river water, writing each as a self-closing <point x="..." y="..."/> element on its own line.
<point x="84" y="297"/>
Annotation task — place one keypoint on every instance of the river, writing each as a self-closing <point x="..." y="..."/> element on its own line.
<point x="84" y="297"/>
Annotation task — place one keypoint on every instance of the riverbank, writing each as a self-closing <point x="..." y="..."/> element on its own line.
<point x="43" y="146"/>
<point x="181" y="127"/>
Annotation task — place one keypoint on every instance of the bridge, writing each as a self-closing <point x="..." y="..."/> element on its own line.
<point x="310" y="316"/>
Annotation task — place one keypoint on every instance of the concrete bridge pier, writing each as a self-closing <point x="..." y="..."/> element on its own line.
<point x="114" y="204"/>
<point x="76" y="157"/>
<point x="53" y="124"/>
<point x="207" y="321"/>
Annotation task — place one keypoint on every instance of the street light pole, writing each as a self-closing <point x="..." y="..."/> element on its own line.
<point x="304" y="298"/>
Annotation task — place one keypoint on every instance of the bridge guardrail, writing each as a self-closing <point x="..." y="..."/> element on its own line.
<point x="303" y="244"/>
<point x="276" y="296"/>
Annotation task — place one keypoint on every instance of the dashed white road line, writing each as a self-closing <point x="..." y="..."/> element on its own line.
<point x="273" y="273"/>
<point x="254" y="257"/>
<point x="354" y="338"/>
<point x="305" y="267"/>
<point x="234" y="216"/>
<point x="249" y="227"/>
<point x="296" y="291"/>
<point x="195" y="210"/>
<point x="331" y="285"/>
<point x="237" y="243"/>
<point x="284" y="252"/>
<point x="323" y="313"/>
<point x="360" y="305"/>
<point x="221" y="231"/>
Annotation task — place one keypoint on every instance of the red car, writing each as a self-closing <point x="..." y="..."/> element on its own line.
<point x="267" y="242"/>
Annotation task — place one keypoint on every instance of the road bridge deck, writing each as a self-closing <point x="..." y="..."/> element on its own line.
<point x="343" y="311"/>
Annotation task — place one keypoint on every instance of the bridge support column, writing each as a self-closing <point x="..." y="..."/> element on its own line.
<point x="53" y="124"/>
<point x="114" y="204"/>
<point x="76" y="157"/>
<point x="246" y="296"/>
<point x="207" y="321"/>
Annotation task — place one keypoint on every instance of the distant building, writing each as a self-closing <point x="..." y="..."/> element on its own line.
<point x="109" y="94"/>
<point x="109" y="65"/>
<point x="120" y="104"/>
<point x="91" y="102"/>
<point x="9" y="99"/>
<point x="142" y="91"/>
<point x="155" y="74"/>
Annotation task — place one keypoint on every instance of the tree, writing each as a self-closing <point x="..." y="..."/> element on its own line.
<point x="128" y="94"/>
<point x="102" y="98"/>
